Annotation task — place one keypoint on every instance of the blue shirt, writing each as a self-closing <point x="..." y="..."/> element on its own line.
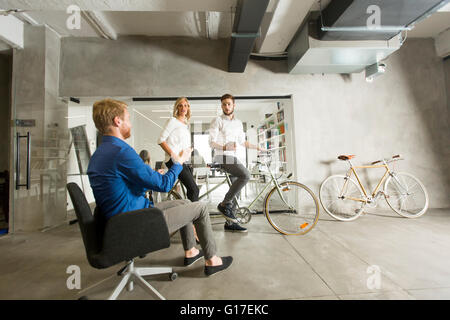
<point x="119" y="178"/>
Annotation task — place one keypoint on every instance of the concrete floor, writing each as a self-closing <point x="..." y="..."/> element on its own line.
<point x="333" y="261"/>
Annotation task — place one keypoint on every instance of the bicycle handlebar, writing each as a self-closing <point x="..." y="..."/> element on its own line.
<point x="393" y="158"/>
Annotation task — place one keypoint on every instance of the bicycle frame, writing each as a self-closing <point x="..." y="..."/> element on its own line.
<point x="183" y="189"/>
<point x="228" y="180"/>
<point x="375" y="191"/>
<point x="268" y="184"/>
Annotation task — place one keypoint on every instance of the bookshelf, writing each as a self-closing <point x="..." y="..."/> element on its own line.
<point x="272" y="134"/>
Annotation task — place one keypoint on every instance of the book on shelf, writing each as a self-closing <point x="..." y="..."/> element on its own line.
<point x="282" y="141"/>
<point x="280" y="115"/>
<point x="272" y="133"/>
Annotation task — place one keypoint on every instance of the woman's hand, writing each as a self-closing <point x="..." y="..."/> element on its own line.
<point x="183" y="156"/>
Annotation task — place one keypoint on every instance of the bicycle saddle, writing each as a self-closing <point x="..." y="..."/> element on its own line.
<point x="346" y="157"/>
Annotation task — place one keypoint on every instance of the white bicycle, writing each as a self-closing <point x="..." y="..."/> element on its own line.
<point x="344" y="199"/>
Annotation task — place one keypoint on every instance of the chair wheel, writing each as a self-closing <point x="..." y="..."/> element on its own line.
<point x="173" y="276"/>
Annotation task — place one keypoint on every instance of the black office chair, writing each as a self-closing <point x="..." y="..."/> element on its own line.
<point x="122" y="238"/>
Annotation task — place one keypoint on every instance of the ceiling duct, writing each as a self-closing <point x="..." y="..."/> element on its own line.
<point x="350" y="42"/>
<point x="308" y="55"/>
<point x="248" y="17"/>
<point x="372" y="19"/>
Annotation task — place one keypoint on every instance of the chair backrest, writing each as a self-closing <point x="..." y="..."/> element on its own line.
<point x="89" y="225"/>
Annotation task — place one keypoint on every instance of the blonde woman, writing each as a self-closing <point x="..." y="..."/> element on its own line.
<point x="175" y="137"/>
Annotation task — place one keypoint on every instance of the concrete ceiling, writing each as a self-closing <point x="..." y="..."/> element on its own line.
<point x="194" y="18"/>
<point x="432" y="26"/>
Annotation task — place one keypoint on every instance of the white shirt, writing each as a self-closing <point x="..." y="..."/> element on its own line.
<point x="223" y="130"/>
<point x="177" y="136"/>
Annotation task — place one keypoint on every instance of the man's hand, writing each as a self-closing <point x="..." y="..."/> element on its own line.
<point x="261" y="149"/>
<point x="230" y="146"/>
<point x="252" y="146"/>
<point x="161" y="171"/>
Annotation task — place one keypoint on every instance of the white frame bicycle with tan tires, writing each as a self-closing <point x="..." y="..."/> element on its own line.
<point x="345" y="199"/>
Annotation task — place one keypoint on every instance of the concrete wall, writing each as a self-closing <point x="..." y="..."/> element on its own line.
<point x="404" y="111"/>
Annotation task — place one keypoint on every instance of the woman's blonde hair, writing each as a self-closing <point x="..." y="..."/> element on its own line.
<point x="104" y="112"/>
<point x="175" y="108"/>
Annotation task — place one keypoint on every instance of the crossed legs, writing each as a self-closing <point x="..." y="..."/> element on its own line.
<point x="180" y="215"/>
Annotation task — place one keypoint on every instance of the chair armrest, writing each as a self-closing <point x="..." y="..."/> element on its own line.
<point x="135" y="233"/>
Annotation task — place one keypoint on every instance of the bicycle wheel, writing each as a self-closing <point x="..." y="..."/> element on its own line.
<point x="406" y="195"/>
<point x="336" y="198"/>
<point x="293" y="210"/>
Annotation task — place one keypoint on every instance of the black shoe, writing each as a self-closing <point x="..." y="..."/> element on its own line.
<point x="192" y="260"/>
<point x="227" y="212"/>
<point x="226" y="262"/>
<point x="234" y="227"/>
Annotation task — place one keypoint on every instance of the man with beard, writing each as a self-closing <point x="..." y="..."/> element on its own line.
<point x="225" y="132"/>
<point x="119" y="179"/>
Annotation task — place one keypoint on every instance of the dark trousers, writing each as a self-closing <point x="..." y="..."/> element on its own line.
<point x="239" y="175"/>
<point x="188" y="180"/>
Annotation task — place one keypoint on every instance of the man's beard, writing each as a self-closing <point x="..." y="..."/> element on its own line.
<point x="126" y="133"/>
<point x="229" y="113"/>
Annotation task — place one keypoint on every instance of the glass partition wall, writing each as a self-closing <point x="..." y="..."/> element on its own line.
<point x="54" y="140"/>
<point x="267" y="123"/>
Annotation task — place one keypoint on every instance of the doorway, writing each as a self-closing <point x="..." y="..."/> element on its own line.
<point x="5" y="115"/>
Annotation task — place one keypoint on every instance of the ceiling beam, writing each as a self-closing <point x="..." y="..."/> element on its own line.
<point x="286" y="19"/>
<point x="100" y="24"/>
<point x="246" y="27"/>
<point x="11" y="31"/>
<point x="122" y="5"/>
<point x="442" y="44"/>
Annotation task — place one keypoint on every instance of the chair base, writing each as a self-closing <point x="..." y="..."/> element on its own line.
<point x="130" y="275"/>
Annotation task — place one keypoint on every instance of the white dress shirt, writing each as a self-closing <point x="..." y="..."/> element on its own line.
<point x="177" y="136"/>
<point x="223" y="130"/>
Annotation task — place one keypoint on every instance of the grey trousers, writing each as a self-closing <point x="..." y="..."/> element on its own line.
<point x="181" y="215"/>
<point x="239" y="175"/>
